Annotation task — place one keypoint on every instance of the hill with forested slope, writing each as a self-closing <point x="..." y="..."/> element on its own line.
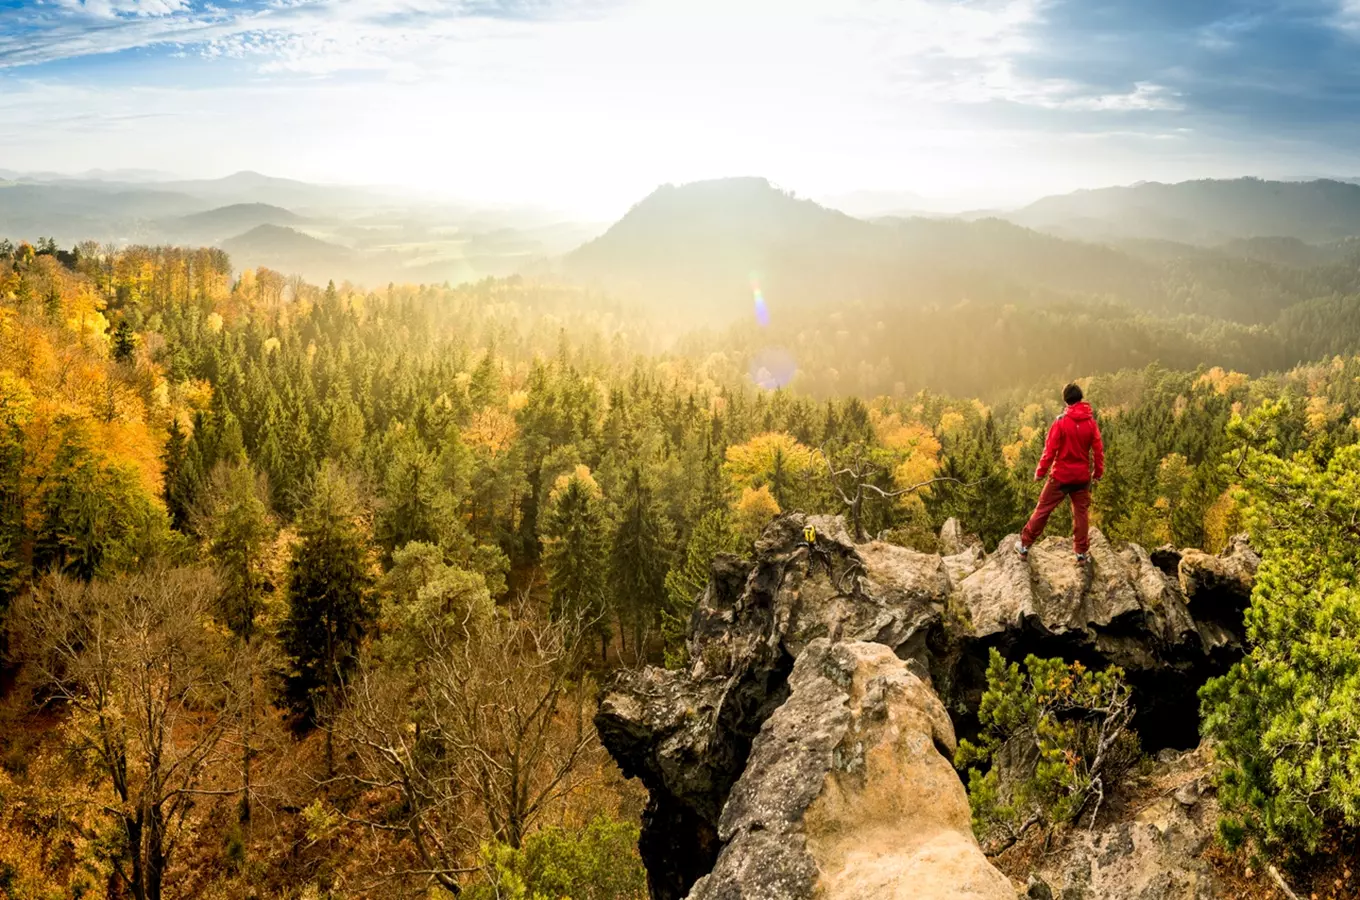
<point x="707" y="244"/>
<point x="213" y="225"/>
<point x="1206" y="212"/>
<point x="290" y="250"/>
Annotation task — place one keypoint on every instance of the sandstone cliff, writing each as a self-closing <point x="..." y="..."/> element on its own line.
<point x="805" y="749"/>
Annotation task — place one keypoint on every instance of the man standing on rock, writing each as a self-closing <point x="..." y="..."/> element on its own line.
<point x="1067" y="462"/>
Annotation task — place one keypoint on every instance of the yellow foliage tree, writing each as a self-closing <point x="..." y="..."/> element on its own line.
<point x="1320" y="413"/>
<point x="582" y="474"/>
<point x="1222" y="520"/>
<point x="774" y="460"/>
<point x="915" y="452"/>
<point x="755" y="508"/>
<point x="491" y="430"/>
<point x="1220" y="381"/>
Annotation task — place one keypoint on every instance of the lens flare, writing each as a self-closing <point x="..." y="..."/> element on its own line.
<point x="773" y="367"/>
<point x="762" y="310"/>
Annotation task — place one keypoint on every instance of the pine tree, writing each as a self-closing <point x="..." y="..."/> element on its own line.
<point x="93" y="516"/>
<point x="414" y="508"/>
<point x="237" y="523"/>
<point x="639" y="559"/>
<point x="330" y="608"/>
<point x="985" y="498"/>
<point x="686" y="581"/>
<point x="14" y="414"/>
<point x="239" y="528"/>
<point x="177" y="488"/>
<point x="1286" y="719"/>
<point x="575" y="548"/>
<point x="124" y="341"/>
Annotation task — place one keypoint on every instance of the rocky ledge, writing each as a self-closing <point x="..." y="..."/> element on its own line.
<point x="805" y="747"/>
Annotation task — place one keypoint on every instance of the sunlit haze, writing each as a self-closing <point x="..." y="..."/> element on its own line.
<point x="585" y="105"/>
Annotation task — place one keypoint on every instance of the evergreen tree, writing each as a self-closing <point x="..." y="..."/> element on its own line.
<point x="237" y="523"/>
<point x="414" y="508"/>
<point x="687" y="581"/>
<point x="575" y="548"/>
<point x="124" y="341"/>
<point x="639" y="559"/>
<point x="93" y="515"/>
<point x="1286" y="719"/>
<point x="985" y="499"/>
<point x="177" y="488"/>
<point x="15" y="412"/>
<point x="330" y="608"/>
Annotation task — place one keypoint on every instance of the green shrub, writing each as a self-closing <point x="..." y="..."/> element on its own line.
<point x="1286" y="719"/>
<point x="1054" y="739"/>
<point x="598" y="862"/>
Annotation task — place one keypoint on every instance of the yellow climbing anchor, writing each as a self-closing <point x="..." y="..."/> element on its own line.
<point x="810" y="534"/>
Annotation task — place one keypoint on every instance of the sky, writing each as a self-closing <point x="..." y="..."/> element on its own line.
<point x="590" y="104"/>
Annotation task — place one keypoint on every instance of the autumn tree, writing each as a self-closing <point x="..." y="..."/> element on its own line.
<point x="755" y="508"/>
<point x="147" y="689"/>
<point x="479" y="738"/>
<point x="774" y="460"/>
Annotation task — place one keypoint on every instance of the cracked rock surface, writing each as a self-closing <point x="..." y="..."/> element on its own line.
<point x="770" y="775"/>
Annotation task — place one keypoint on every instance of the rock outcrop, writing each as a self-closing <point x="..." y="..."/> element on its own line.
<point x="1169" y="633"/>
<point x="1155" y="850"/>
<point x="820" y="806"/>
<point x="705" y="740"/>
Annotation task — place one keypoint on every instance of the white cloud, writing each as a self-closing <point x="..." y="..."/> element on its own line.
<point x="1347" y="16"/>
<point x="593" y="103"/>
<point x="112" y="9"/>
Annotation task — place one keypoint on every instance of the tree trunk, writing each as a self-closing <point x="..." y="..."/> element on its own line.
<point x="249" y="730"/>
<point x="155" y="854"/>
<point x="137" y="882"/>
<point x="330" y="749"/>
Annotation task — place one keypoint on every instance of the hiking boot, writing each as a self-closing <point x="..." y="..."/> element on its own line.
<point x="1082" y="558"/>
<point x="1022" y="550"/>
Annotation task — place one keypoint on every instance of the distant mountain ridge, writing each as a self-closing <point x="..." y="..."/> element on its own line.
<point x="700" y="249"/>
<point x="1207" y="211"/>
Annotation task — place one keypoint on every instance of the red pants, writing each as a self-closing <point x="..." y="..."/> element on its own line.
<point x="1049" y="499"/>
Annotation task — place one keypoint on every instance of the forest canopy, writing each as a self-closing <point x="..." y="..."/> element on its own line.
<point x="385" y="510"/>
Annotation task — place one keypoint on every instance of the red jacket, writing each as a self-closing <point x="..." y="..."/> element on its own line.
<point x="1067" y="452"/>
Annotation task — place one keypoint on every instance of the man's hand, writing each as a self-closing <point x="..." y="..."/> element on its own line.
<point x="1038" y="476"/>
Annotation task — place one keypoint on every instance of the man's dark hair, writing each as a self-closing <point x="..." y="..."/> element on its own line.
<point x="1072" y="394"/>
